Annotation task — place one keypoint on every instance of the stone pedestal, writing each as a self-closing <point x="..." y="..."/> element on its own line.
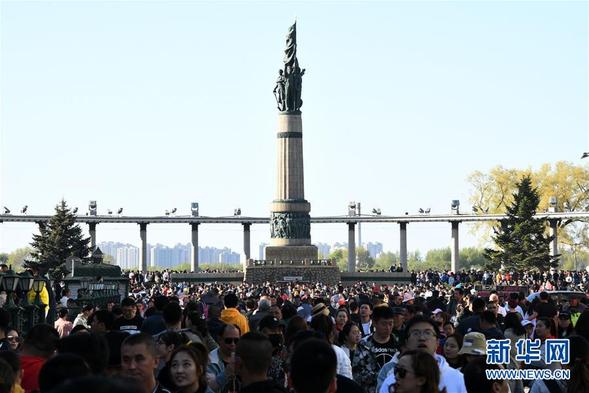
<point x="291" y="253"/>
<point x="325" y="274"/>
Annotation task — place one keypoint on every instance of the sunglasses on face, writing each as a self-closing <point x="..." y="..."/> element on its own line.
<point x="230" y="341"/>
<point x="13" y="338"/>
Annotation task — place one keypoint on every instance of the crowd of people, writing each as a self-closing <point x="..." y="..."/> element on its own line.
<point x="430" y="335"/>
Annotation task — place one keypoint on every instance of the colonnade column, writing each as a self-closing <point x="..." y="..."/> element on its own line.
<point x="194" y="255"/>
<point x="143" y="248"/>
<point x="246" y="242"/>
<point x="92" y="231"/>
<point x="403" y="246"/>
<point x="351" y="247"/>
<point x="554" y="233"/>
<point x="455" y="247"/>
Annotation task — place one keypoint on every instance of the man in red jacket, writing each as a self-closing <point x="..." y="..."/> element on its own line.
<point x="39" y="345"/>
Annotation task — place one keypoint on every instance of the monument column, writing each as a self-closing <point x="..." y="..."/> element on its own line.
<point x="143" y="248"/>
<point x="92" y="231"/>
<point x="351" y="247"/>
<point x="290" y="226"/>
<point x="455" y="247"/>
<point x="194" y="256"/>
<point x="403" y="246"/>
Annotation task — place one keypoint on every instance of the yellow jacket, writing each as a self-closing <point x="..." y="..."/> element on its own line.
<point x="43" y="295"/>
<point x="234" y="317"/>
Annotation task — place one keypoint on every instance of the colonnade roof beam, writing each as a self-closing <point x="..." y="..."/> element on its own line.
<point x="266" y="220"/>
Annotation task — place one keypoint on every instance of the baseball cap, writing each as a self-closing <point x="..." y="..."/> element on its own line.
<point x="398" y="311"/>
<point x="268" y="322"/>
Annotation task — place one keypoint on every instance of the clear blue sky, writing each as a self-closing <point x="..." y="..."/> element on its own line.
<point x="152" y="105"/>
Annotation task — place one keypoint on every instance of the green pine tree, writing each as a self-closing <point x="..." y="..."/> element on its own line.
<point x="520" y="238"/>
<point x="58" y="239"/>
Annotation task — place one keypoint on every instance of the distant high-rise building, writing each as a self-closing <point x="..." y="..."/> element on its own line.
<point x="374" y="249"/>
<point x="323" y="249"/>
<point x="128" y="257"/>
<point x="228" y="256"/>
<point x="167" y="257"/>
<point x="261" y="253"/>
<point x="164" y="257"/>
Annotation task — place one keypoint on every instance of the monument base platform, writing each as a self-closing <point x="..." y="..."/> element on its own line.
<point x="291" y="253"/>
<point x="280" y="273"/>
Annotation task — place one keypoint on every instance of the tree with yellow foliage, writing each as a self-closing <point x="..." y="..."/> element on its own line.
<point x="494" y="191"/>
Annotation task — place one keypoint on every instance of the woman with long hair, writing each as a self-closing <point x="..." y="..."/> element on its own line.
<point x="165" y="345"/>
<point x="349" y="337"/>
<point x="417" y="372"/>
<point x="341" y="318"/>
<point x="544" y="329"/>
<point x="13" y="338"/>
<point x="188" y="365"/>
<point x="451" y="348"/>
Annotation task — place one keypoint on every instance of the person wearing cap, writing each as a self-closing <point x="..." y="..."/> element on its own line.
<point x="575" y="308"/>
<point x="375" y="350"/>
<point x="408" y="298"/>
<point x="273" y="329"/>
<point x="565" y="327"/>
<point x="319" y="309"/>
<point x="422" y="333"/>
<point x="398" y="322"/>
<point x="474" y="345"/>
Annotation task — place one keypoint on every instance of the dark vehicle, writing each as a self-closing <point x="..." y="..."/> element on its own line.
<point x="561" y="298"/>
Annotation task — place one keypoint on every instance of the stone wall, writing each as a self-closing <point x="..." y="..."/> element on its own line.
<point x="260" y="274"/>
<point x="234" y="278"/>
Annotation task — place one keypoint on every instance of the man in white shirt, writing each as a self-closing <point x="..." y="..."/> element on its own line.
<point x="366" y="327"/>
<point x="66" y="294"/>
<point x="422" y="333"/>
<point x="495" y="299"/>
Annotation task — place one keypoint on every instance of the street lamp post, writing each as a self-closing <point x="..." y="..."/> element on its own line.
<point x="39" y="312"/>
<point x="25" y="284"/>
<point x="10" y="283"/>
